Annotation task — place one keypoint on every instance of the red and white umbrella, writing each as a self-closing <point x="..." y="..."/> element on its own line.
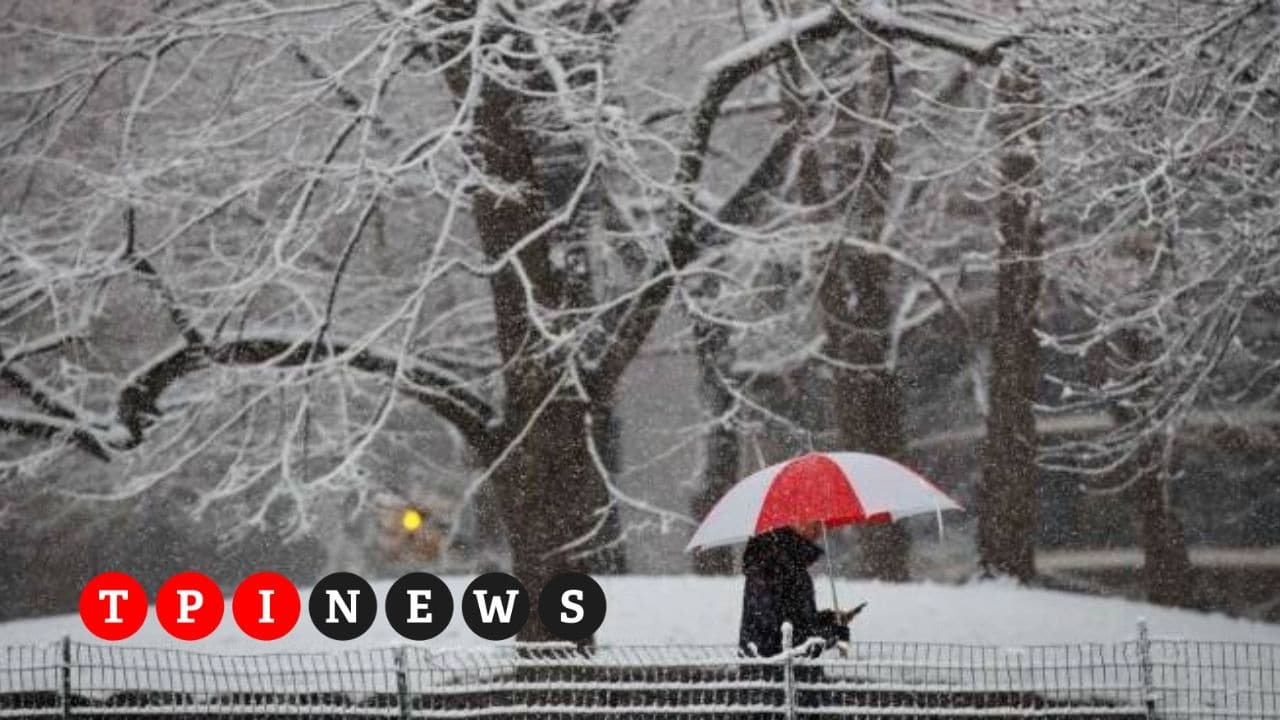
<point x="835" y="488"/>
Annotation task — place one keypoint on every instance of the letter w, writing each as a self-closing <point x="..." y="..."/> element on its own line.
<point x="495" y="607"/>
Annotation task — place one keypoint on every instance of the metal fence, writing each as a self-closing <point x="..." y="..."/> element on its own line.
<point x="1144" y="678"/>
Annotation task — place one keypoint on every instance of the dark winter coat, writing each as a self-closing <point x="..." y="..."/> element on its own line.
<point x="778" y="588"/>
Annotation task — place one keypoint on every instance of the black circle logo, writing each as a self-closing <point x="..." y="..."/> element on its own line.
<point x="495" y="606"/>
<point x="342" y="606"/>
<point x="419" y="606"/>
<point x="572" y="606"/>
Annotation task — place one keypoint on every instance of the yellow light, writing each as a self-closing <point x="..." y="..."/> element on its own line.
<point x="412" y="520"/>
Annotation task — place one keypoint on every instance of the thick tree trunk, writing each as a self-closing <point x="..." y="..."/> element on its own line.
<point x="1167" y="573"/>
<point x="564" y="167"/>
<point x="1007" y="500"/>
<point x="553" y="502"/>
<point x="722" y="446"/>
<point x="1166" y="569"/>
<point x="857" y="313"/>
<point x="869" y="401"/>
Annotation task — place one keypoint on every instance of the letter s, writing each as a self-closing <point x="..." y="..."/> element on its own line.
<point x="568" y="603"/>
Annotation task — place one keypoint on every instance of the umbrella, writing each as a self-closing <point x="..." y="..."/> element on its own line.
<point x="834" y="488"/>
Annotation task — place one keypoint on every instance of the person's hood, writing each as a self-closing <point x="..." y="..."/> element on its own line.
<point x="783" y="546"/>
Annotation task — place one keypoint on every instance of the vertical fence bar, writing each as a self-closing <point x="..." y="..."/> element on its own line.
<point x="1145" y="669"/>
<point x="402" y="683"/>
<point x="788" y="671"/>
<point x="66" y="676"/>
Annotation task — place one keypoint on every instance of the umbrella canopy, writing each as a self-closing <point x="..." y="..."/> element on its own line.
<point x="838" y="488"/>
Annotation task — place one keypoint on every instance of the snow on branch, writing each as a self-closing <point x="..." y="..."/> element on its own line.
<point x="978" y="47"/>
<point x="427" y="382"/>
<point x="763" y="47"/>
<point x="874" y="17"/>
<point x="721" y="76"/>
<point x="45" y="427"/>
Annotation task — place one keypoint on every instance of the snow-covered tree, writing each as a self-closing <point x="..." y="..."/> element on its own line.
<point x="1165" y="124"/>
<point x="269" y="241"/>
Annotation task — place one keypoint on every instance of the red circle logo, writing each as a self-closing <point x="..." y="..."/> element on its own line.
<point x="113" y="606"/>
<point x="189" y="606"/>
<point x="266" y="606"/>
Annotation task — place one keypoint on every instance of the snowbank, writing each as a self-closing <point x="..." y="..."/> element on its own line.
<point x="697" y="610"/>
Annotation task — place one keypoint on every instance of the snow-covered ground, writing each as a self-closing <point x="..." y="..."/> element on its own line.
<point x="698" y="610"/>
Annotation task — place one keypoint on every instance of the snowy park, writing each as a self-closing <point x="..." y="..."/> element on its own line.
<point x="871" y="358"/>
<point x="1028" y="652"/>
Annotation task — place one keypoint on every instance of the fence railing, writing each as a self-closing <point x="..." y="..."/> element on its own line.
<point x="1140" y="679"/>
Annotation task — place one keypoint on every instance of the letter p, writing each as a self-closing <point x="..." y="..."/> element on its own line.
<point x="189" y="601"/>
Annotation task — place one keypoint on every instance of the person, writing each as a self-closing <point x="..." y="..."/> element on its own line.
<point x="778" y="588"/>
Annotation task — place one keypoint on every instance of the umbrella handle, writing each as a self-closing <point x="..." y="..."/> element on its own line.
<point x="841" y="646"/>
<point x="831" y="573"/>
